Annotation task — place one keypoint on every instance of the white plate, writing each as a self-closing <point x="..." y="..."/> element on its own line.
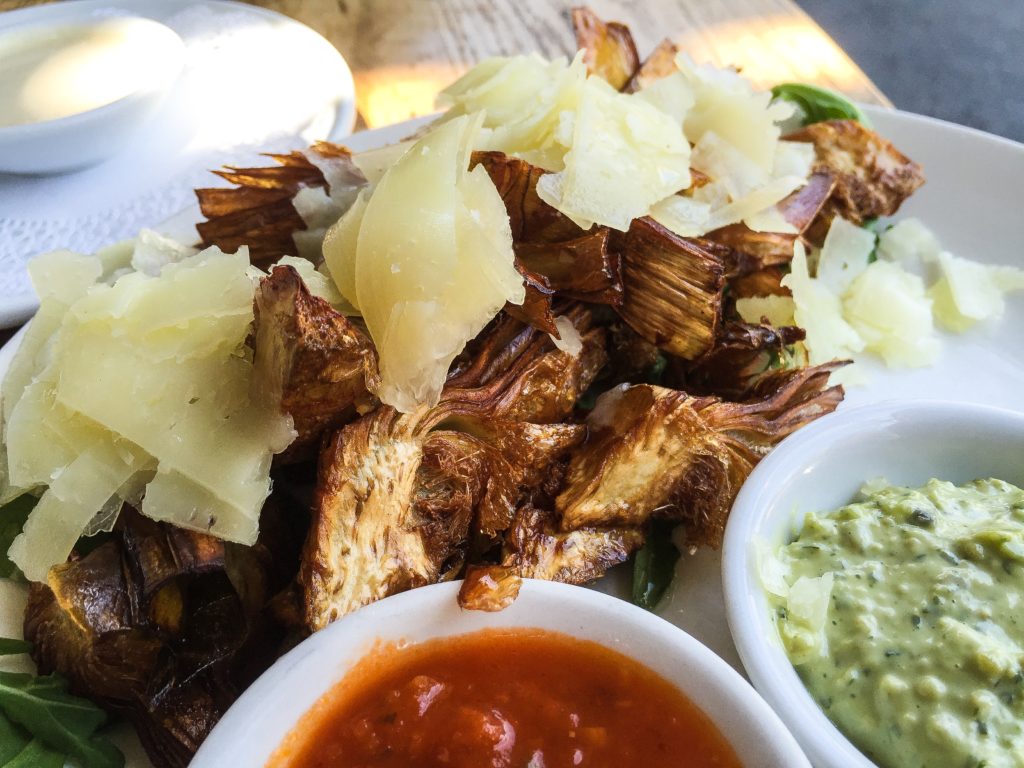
<point x="246" y="88"/>
<point x="972" y="202"/>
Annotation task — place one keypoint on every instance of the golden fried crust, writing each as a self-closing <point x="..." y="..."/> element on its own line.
<point x="538" y="550"/>
<point x="655" y="451"/>
<point x="673" y="288"/>
<point x="872" y="177"/>
<point x="314" y="361"/>
<point x="660" y="63"/>
<point x="609" y="50"/>
<point x="489" y="588"/>
<point x="523" y="377"/>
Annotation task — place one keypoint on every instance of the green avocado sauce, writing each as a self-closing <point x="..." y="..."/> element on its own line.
<point x="903" y="613"/>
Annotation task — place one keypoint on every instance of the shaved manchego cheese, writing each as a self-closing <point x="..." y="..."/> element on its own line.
<point x="967" y="292"/>
<point x="726" y="104"/>
<point x="908" y="242"/>
<point x="71" y="501"/>
<point x="777" y="310"/>
<point x="526" y="102"/>
<point x="755" y="204"/>
<point x="793" y="158"/>
<point x="152" y="252"/>
<point x="730" y="170"/>
<point x="892" y="314"/>
<point x="147" y="384"/>
<point x="626" y="155"/>
<point x="426" y="258"/>
<point x="685" y="216"/>
<point x="820" y="313"/>
<point x="845" y="253"/>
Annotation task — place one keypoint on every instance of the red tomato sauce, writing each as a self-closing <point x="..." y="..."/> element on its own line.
<point x="503" y="699"/>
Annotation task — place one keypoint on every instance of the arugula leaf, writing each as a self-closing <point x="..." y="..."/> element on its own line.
<point x="654" y="565"/>
<point x="819" y="104"/>
<point x="12" y="740"/>
<point x="11" y="647"/>
<point x="12" y="519"/>
<point x="36" y="755"/>
<point x="43" y="706"/>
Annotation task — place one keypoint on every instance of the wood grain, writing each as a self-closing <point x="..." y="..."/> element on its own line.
<point x="402" y="52"/>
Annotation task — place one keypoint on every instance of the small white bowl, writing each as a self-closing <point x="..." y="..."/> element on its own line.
<point x="89" y="137"/>
<point x="259" y="721"/>
<point x="821" y="468"/>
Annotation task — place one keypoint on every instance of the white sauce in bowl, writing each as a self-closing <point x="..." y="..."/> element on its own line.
<point x="49" y="72"/>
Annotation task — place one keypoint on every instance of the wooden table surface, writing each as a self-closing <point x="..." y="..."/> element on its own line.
<point x="402" y="52"/>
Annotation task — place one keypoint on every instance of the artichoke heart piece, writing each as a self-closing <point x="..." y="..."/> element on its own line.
<point x="310" y="359"/>
<point x="873" y="178"/>
<point x="536" y="549"/>
<point x="672" y="288"/>
<point x="610" y="52"/>
<point x="432" y="262"/>
<point x="521" y="377"/>
<point x="159" y="624"/>
<point x="395" y="500"/>
<point x="742" y="354"/>
<point x="402" y="500"/>
<point x="656" y="451"/>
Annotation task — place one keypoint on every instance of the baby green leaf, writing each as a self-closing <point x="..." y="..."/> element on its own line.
<point x="10" y="647"/>
<point x="654" y="565"/>
<point x="819" y="104"/>
<point x="66" y="723"/>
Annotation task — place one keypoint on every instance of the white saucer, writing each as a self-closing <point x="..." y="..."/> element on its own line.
<point x="253" y="81"/>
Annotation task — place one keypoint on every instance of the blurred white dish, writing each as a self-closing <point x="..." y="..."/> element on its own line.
<point x="258" y="722"/>
<point x="77" y="87"/>
<point x="253" y="81"/>
<point x="820" y="468"/>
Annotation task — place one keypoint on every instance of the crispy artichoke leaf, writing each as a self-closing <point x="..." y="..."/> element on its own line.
<point x="763" y="282"/>
<point x="742" y="354"/>
<point x="609" y="50"/>
<point x="530" y="218"/>
<point x="800" y="209"/>
<point x="258" y="211"/>
<point x="873" y="178"/>
<point x="536" y="549"/>
<point x="311" y="359"/>
<point x="660" y="451"/>
<point x="583" y="268"/>
<point x="537" y="308"/>
<point x="673" y="288"/>
<point x="660" y="63"/>
<point x="523" y="377"/>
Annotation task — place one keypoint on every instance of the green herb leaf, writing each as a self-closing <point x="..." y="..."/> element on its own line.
<point x="819" y="104"/>
<point x="12" y="740"/>
<point x="36" y="755"/>
<point x="654" y="565"/>
<point x="65" y="723"/>
<point x="10" y="647"/>
<point x="12" y="520"/>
